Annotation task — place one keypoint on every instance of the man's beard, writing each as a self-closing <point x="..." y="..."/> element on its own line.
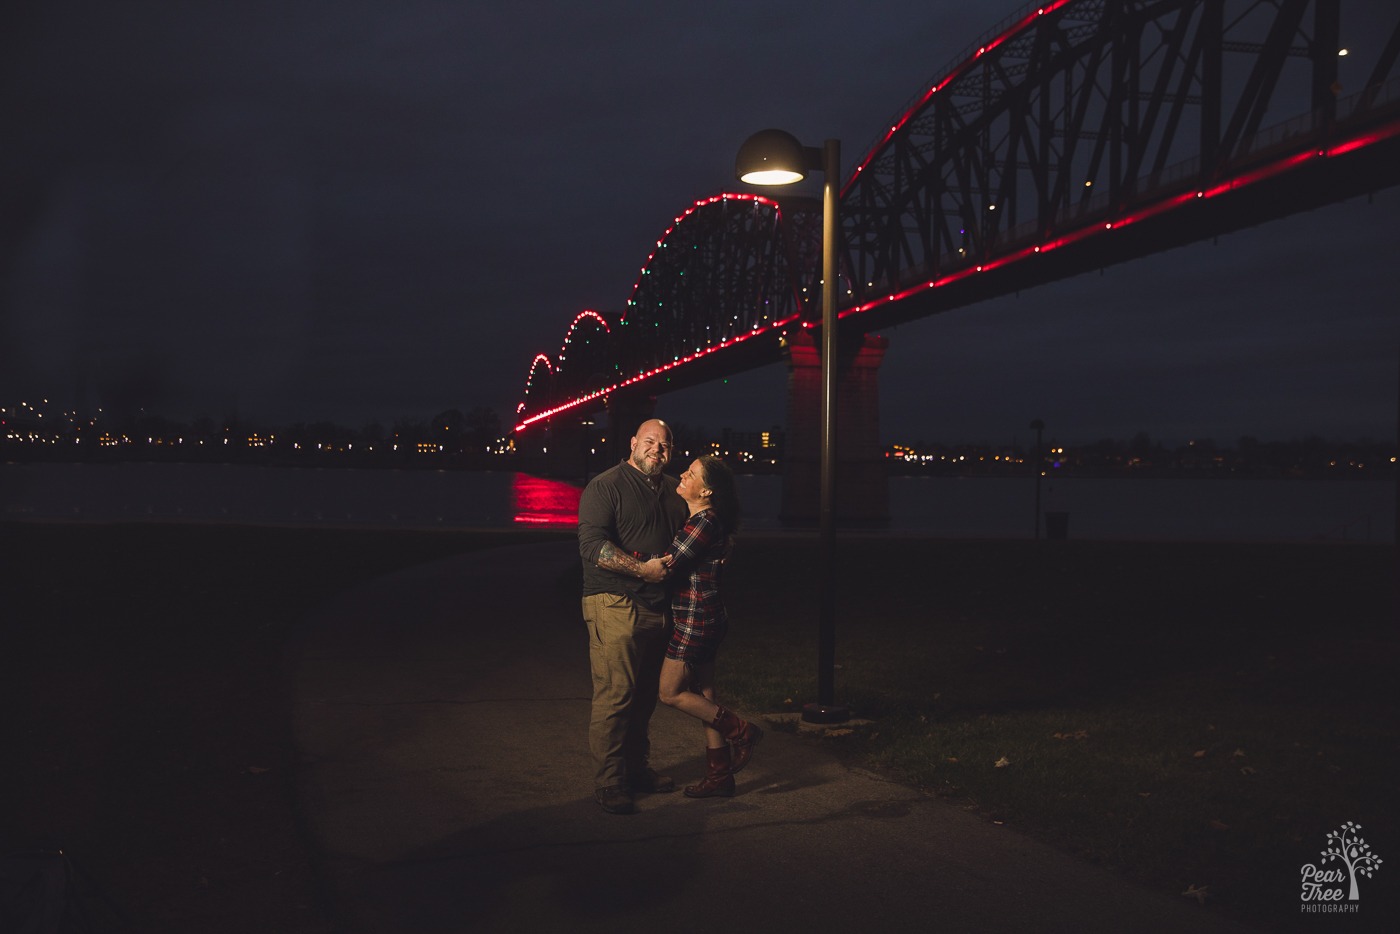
<point x="650" y="468"/>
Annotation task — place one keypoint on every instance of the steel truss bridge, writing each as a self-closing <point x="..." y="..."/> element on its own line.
<point x="1074" y="135"/>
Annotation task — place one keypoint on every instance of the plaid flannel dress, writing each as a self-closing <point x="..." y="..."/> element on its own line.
<point x="698" y="551"/>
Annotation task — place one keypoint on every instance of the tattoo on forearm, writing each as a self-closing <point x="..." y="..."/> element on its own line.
<point x="613" y="559"/>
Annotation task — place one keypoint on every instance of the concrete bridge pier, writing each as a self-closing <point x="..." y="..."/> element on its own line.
<point x="862" y="484"/>
<point x="557" y="447"/>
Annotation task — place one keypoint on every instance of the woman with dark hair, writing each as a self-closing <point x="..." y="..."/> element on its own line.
<point x="696" y="557"/>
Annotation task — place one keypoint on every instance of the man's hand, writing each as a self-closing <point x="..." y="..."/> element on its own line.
<point x="655" y="570"/>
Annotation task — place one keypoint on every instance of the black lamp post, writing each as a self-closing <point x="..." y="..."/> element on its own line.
<point x="775" y="157"/>
<point x="1039" y="426"/>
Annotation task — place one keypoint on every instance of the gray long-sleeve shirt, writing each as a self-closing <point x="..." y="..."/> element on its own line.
<point x="621" y="505"/>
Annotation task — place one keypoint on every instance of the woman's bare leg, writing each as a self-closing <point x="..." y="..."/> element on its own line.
<point x="702" y="681"/>
<point x="690" y="689"/>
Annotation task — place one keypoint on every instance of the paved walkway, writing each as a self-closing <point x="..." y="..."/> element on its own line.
<point x="441" y="716"/>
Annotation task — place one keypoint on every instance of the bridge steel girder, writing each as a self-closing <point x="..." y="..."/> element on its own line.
<point x="1084" y="111"/>
<point x="727" y="268"/>
<point x="978" y="188"/>
<point x="725" y="283"/>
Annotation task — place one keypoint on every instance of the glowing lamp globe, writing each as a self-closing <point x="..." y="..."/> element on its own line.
<point x="771" y="157"/>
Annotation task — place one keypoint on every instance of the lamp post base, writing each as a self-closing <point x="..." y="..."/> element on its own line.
<point x="825" y="713"/>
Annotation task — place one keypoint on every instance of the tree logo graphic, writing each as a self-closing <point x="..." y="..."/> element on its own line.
<point x="1344" y="846"/>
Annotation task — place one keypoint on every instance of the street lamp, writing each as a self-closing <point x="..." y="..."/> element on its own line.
<point x="775" y="157"/>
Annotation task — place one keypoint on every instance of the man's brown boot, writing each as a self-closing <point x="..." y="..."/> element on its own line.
<point x="649" y="781"/>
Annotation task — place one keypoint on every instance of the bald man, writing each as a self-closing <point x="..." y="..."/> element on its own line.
<point x="626" y="514"/>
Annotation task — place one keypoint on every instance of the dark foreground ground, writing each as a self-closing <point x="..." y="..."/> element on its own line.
<point x="146" y="729"/>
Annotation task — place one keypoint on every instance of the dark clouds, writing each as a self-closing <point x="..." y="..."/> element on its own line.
<point x="306" y="210"/>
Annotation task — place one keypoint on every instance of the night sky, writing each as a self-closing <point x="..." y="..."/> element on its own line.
<point x="355" y="211"/>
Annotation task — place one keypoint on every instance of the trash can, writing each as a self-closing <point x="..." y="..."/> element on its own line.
<point x="1057" y="526"/>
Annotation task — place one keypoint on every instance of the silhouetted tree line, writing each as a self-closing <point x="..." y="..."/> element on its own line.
<point x="450" y="438"/>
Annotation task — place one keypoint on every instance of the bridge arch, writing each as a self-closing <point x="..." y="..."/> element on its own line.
<point x="587" y="358"/>
<point x="539" y="383"/>
<point x="728" y="267"/>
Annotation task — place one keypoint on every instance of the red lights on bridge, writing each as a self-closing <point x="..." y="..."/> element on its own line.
<point x="1164" y="205"/>
<point x="982" y="49"/>
<point x="704" y="202"/>
<point x="1360" y="142"/>
<point x="661" y="244"/>
<point x="640" y="377"/>
<point x="530" y="379"/>
<point x="569" y="335"/>
<point x="1265" y="172"/>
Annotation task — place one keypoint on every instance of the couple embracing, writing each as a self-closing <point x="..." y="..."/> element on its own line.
<point x="653" y="549"/>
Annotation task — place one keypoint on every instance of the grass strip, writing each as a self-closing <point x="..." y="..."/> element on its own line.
<point x="1195" y="716"/>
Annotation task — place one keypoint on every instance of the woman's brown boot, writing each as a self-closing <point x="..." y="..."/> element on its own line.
<point x="741" y="735"/>
<point x="718" y="781"/>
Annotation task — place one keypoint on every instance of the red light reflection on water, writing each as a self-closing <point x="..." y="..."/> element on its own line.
<point x="545" y="503"/>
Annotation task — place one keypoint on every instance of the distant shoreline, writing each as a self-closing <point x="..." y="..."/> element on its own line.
<point x="1333" y="472"/>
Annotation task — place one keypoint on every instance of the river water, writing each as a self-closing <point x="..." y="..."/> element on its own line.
<point x="1156" y="509"/>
